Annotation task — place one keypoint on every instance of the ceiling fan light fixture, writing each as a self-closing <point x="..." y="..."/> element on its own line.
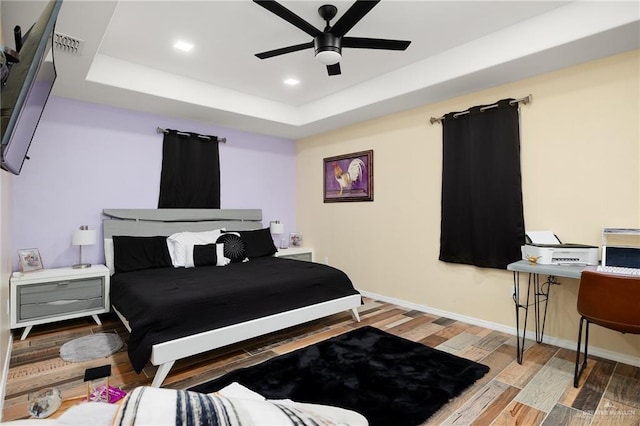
<point x="328" y="57"/>
<point x="328" y="48"/>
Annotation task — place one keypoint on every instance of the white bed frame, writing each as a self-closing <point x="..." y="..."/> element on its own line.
<point x="151" y="222"/>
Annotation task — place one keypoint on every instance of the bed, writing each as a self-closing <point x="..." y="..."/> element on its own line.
<point x="173" y="313"/>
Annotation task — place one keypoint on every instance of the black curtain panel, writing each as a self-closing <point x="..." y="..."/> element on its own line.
<point x="482" y="219"/>
<point x="190" y="176"/>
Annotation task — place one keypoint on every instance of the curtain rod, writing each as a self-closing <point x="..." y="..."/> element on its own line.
<point x="527" y="99"/>
<point x="161" y="130"/>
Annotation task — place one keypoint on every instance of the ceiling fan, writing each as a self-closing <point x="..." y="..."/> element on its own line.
<point x="328" y="43"/>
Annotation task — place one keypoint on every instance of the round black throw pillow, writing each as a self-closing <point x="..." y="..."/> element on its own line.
<point x="234" y="248"/>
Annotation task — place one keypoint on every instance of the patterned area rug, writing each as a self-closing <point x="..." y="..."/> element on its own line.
<point x="388" y="379"/>
<point x="93" y="346"/>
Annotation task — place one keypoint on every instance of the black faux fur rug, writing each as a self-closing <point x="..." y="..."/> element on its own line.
<point x="388" y="379"/>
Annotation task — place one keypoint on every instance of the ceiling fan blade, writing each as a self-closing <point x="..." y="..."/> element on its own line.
<point x="277" y="9"/>
<point x="374" y="43"/>
<point x="334" y="69"/>
<point x="351" y="17"/>
<point x="283" y="50"/>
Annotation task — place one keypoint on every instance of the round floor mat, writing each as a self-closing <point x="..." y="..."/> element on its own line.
<point x="93" y="346"/>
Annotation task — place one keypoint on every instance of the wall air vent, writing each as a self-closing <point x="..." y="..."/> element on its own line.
<point x="68" y="44"/>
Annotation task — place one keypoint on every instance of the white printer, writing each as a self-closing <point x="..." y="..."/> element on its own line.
<point x="545" y="248"/>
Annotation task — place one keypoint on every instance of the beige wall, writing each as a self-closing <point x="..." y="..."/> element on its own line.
<point x="580" y="142"/>
<point x="6" y="253"/>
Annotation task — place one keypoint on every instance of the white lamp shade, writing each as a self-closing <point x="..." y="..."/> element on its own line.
<point x="277" y="228"/>
<point x="83" y="237"/>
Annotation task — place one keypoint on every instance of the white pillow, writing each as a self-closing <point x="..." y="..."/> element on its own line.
<point x="89" y="413"/>
<point x="108" y="255"/>
<point x="236" y="390"/>
<point x="220" y="259"/>
<point x="181" y="245"/>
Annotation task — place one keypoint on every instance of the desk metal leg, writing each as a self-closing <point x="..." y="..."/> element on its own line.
<point x="540" y="295"/>
<point x="536" y="305"/>
<point x="525" y="307"/>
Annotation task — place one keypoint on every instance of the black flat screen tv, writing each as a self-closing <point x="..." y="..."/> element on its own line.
<point x="27" y="88"/>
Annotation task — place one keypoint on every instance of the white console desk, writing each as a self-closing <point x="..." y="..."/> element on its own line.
<point x="537" y="294"/>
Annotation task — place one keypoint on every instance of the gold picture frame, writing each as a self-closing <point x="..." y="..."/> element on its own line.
<point x="348" y="177"/>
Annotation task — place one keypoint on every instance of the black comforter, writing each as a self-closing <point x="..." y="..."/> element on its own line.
<point x="168" y="303"/>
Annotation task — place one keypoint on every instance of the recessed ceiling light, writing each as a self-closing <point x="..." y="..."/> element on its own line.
<point x="183" y="45"/>
<point x="291" y="82"/>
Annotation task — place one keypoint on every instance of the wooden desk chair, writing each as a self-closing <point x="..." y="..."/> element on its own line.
<point x="611" y="301"/>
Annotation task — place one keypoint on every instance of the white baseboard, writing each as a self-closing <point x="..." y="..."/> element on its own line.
<point x="5" y="374"/>
<point x="563" y="343"/>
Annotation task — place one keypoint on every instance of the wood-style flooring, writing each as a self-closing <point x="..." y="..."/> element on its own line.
<point x="537" y="392"/>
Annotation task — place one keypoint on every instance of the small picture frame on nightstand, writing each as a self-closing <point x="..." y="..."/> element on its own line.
<point x="295" y="239"/>
<point x="30" y="260"/>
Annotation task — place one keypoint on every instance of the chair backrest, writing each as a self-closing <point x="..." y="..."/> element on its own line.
<point x="611" y="301"/>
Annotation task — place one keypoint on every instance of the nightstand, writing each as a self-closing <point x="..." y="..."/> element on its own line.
<point x="57" y="294"/>
<point x="296" y="253"/>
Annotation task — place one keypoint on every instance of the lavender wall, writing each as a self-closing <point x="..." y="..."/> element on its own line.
<point x="87" y="157"/>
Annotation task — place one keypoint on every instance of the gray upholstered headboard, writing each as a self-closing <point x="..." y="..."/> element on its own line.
<point x="152" y="222"/>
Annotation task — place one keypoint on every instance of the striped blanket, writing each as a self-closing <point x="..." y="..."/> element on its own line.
<point x="157" y="406"/>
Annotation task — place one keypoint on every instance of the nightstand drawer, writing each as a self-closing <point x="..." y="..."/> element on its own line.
<point x="301" y="256"/>
<point x="61" y="290"/>
<point x="57" y="307"/>
<point x="59" y="297"/>
<point x="296" y="253"/>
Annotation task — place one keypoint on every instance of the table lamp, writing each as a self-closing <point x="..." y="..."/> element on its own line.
<point x="83" y="237"/>
<point x="277" y="229"/>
